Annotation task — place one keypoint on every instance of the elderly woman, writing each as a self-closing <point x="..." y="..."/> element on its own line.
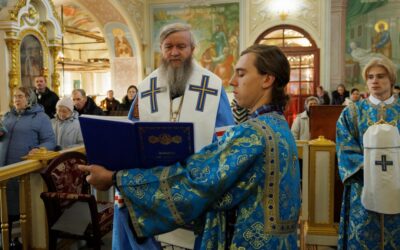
<point x="28" y="128"/>
<point x="301" y="125"/>
<point x="66" y="124"/>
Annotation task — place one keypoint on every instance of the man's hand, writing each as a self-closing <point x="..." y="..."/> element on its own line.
<point x="98" y="177"/>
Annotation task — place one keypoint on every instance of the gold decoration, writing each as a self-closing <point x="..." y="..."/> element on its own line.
<point x="379" y="24"/>
<point x="15" y="11"/>
<point x="31" y="17"/>
<point x="41" y="154"/>
<point x="165" y="139"/>
<point x="321" y="141"/>
<point x="55" y="77"/>
<point x="11" y="34"/>
<point x="43" y="29"/>
<point x="13" y="74"/>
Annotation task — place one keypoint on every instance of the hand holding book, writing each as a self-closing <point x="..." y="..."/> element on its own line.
<point x="122" y="144"/>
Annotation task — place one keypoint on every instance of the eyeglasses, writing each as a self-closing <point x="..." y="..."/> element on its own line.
<point x="18" y="96"/>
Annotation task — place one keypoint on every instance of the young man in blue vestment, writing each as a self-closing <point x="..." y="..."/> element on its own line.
<point x="360" y="227"/>
<point x="252" y="172"/>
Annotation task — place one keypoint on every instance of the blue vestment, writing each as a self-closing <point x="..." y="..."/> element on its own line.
<point x="360" y="228"/>
<point x="253" y="170"/>
<point x="123" y="238"/>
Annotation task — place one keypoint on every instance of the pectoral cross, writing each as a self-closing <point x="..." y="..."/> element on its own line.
<point x="384" y="163"/>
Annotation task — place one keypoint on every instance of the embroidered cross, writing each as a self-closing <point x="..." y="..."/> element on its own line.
<point x="203" y="91"/>
<point x="152" y="93"/>
<point x="384" y="163"/>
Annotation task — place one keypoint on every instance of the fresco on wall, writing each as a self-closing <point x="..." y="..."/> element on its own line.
<point x="372" y="31"/>
<point x="216" y="29"/>
<point x="124" y="65"/>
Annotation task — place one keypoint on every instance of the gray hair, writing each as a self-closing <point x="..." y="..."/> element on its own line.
<point x="311" y="98"/>
<point x="29" y="94"/>
<point x="83" y="93"/>
<point x="177" y="27"/>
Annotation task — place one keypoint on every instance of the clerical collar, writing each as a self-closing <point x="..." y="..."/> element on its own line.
<point x="376" y="101"/>
<point x="267" y="108"/>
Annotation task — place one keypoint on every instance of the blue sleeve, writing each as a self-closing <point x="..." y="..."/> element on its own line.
<point x="132" y="109"/>
<point x="224" y="115"/>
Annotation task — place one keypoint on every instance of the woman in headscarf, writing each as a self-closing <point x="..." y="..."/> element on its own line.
<point x="66" y="124"/>
<point x="28" y="129"/>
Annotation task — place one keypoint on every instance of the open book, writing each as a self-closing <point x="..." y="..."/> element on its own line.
<point x="118" y="143"/>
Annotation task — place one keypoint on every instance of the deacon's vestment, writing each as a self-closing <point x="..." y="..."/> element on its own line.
<point x="252" y="170"/>
<point x="361" y="228"/>
<point x="204" y="103"/>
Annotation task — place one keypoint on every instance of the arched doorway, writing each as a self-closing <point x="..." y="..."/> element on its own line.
<point x="303" y="55"/>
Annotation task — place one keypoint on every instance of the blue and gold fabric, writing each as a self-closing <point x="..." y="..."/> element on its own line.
<point x="253" y="170"/>
<point x="360" y="228"/>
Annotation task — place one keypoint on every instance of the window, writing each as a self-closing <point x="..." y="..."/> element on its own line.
<point x="303" y="56"/>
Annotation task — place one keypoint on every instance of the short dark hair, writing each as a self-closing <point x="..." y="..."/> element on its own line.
<point x="82" y="91"/>
<point x="271" y="60"/>
<point x="132" y="87"/>
<point x="353" y="90"/>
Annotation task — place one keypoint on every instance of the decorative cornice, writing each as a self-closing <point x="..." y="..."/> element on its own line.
<point x="261" y="13"/>
<point x="31" y="17"/>
<point x="55" y="13"/>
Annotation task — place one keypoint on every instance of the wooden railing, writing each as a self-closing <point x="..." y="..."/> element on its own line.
<point x="32" y="212"/>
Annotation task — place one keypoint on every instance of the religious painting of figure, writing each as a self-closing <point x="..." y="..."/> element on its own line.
<point x="31" y="52"/>
<point x="216" y="30"/>
<point x="370" y="33"/>
<point x="121" y="44"/>
<point x="124" y="69"/>
<point x="381" y="42"/>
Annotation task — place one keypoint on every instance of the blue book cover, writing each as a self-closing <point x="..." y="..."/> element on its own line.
<point x="118" y="143"/>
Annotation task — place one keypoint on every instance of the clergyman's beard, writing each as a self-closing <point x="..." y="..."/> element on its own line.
<point x="176" y="77"/>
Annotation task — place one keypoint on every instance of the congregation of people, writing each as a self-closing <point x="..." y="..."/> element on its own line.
<point x="226" y="179"/>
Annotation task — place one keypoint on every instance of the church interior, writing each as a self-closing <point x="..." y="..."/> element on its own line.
<point x="102" y="45"/>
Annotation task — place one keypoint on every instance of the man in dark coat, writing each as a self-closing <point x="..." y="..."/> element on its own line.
<point x="47" y="98"/>
<point x="109" y="103"/>
<point x="84" y="104"/>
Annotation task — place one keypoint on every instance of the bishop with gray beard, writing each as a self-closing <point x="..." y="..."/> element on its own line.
<point x="176" y="77"/>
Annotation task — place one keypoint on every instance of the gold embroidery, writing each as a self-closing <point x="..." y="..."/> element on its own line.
<point x="166" y="190"/>
<point x="255" y="235"/>
<point x="273" y="222"/>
